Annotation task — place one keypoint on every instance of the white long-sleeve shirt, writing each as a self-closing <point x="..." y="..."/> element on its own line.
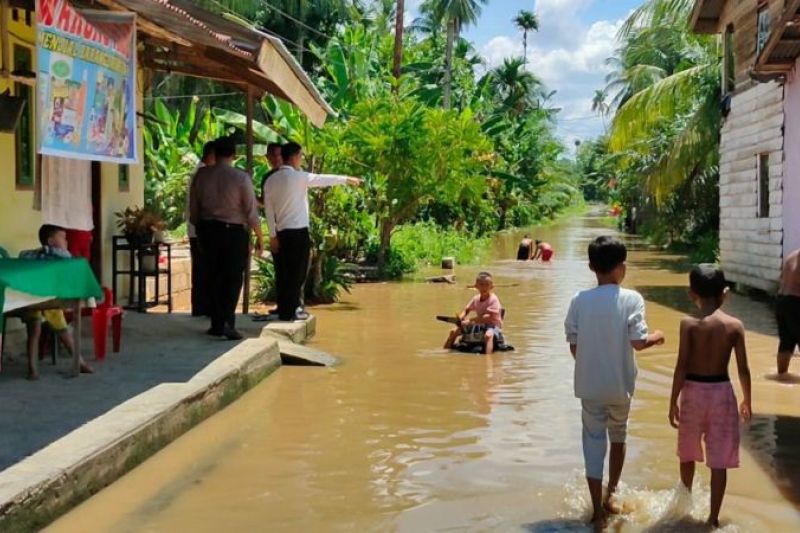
<point x="286" y="197"/>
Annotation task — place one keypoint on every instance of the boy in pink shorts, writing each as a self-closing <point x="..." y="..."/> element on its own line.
<point x="707" y="409"/>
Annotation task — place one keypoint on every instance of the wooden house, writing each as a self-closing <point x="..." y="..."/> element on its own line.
<point x="760" y="137"/>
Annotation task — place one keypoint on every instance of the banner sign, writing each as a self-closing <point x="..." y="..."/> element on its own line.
<point x="86" y="82"/>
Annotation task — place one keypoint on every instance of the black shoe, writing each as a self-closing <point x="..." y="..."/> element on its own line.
<point x="215" y="332"/>
<point x="232" y="335"/>
<point x="286" y="318"/>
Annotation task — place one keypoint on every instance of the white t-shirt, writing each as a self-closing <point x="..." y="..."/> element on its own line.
<point x="286" y="197"/>
<point x="602" y="322"/>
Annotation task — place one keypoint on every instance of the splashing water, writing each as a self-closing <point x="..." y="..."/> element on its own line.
<point x="664" y="511"/>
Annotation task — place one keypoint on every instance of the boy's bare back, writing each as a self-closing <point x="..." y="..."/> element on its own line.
<point x="708" y="343"/>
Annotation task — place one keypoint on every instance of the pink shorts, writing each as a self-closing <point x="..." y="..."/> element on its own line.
<point x="708" y="412"/>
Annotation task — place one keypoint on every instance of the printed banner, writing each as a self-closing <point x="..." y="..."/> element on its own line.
<point x="86" y="82"/>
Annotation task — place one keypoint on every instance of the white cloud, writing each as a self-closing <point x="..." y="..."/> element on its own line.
<point x="568" y="57"/>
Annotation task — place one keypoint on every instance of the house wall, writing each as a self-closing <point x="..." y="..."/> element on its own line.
<point x="791" y="179"/>
<point x="19" y="221"/>
<point x="751" y="247"/>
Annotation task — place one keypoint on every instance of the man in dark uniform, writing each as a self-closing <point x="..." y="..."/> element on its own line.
<point x="223" y="208"/>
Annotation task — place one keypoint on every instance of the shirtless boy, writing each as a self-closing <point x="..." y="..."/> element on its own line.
<point x="707" y="409"/>
<point x="488" y="310"/>
<point x="787" y="311"/>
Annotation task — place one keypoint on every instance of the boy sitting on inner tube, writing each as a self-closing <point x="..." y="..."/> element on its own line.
<point x="488" y="311"/>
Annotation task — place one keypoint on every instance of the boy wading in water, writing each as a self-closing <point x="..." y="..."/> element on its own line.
<point x="486" y="305"/>
<point x="707" y="408"/>
<point x="604" y="325"/>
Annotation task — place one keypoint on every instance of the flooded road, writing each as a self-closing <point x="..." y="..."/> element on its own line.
<point x="407" y="437"/>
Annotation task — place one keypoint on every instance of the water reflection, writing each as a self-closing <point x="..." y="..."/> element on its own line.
<point x="407" y="437"/>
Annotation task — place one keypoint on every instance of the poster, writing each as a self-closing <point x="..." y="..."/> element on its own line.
<point x="86" y="82"/>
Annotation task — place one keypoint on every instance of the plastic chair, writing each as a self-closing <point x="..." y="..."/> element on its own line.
<point x="104" y="313"/>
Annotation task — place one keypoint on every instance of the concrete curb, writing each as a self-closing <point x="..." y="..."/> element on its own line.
<point x="38" y="489"/>
<point x="297" y="332"/>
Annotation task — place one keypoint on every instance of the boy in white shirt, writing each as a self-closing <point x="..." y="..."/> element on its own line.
<point x="603" y="326"/>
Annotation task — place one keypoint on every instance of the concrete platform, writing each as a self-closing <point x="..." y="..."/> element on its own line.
<point x="299" y="355"/>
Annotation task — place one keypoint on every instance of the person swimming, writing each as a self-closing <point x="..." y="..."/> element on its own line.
<point x="525" y="250"/>
<point x="543" y="251"/>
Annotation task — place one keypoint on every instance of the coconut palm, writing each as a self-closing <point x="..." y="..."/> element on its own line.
<point x="526" y="21"/>
<point x="456" y="14"/>
<point x="669" y="117"/>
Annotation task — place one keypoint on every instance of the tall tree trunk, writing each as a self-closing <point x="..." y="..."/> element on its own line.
<point x="448" y="62"/>
<point x="398" y="39"/>
<point x="386" y="236"/>
<point x="525" y="45"/>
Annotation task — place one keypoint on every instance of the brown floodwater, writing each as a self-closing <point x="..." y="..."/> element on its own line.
<point x="405" y="436"/>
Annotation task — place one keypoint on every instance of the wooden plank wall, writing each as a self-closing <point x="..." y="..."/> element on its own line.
<point x="751" y="247"/>
<point x="743" y="14"/>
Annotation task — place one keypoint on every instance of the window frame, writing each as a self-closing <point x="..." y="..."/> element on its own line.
<point x="25" y="181"/>
<point x="762" y="185"/>
<point x="763" y="23"/>
<point x="729" y="60"/>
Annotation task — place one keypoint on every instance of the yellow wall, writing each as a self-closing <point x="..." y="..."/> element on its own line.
<point x="19" y="222"/>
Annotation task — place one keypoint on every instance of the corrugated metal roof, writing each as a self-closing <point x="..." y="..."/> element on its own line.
<point x="240" y="43"/>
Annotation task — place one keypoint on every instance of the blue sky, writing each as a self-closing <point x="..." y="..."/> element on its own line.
<point x="568" y="53"/>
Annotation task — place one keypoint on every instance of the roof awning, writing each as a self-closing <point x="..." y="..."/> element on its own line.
<point x="183" y="38"/>
<point x="705" y="16"/>
<point x="783" y="44"/>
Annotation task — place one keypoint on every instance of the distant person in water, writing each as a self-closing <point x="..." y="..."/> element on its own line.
<point x="707" y="410"/>
<point x="488" y="314"/>
<point x="525" y="250"/>
<point x="543" y="251"/>
<point x="787" y="311"/>
<point x="603" y="327"/>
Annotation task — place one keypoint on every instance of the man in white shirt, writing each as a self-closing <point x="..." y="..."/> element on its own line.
<point x="286" y="209"/>
<point x="200" y="305"/>
<point x="603" y="327"/>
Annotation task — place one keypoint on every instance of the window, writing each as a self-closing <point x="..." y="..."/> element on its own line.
<point x="763" y="186"/>
<point x="728" y="62"/>
<point x="24" y="140"/>
<point x="763" y="28"/>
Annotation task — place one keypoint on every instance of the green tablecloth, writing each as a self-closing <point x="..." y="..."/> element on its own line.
<point x="67" y="279"/>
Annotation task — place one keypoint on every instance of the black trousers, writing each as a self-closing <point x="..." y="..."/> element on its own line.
<point x="200" y="288"/>
<point x="295" y="246"/>
<point x="225" y="249"/>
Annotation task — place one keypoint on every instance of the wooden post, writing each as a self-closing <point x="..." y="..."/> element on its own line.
<point x="249" y="167"/>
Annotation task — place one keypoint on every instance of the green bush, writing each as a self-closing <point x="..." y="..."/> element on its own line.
<point x="423" y="243"/>
<point x="264" y="279"/>
<point x="705" y="248"/>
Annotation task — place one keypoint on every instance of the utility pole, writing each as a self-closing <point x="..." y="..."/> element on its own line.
<point x="398" y="39"/>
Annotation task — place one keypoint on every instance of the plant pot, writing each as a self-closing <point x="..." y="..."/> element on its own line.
<point x="139" y="240"/>
<point x="159" y="236"/>
<point x="149" y="262"/>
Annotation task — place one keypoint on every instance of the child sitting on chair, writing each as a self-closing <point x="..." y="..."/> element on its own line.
<point x="54" y="246"/>
<point x="488" y="311"/>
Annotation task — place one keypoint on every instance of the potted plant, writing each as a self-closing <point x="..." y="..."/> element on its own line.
<point x="138" y="225"/>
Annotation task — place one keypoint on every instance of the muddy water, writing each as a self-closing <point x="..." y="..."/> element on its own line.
<point x="406" y="437"/>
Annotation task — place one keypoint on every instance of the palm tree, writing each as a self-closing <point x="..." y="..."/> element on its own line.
<point x="398" y="39"/>
<point x="599" y="104"/>
<point x="669" y="115"/>
<point x="457" y="14"/>
<point x="526" y="21"/>
<point x="516" y="87"/>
